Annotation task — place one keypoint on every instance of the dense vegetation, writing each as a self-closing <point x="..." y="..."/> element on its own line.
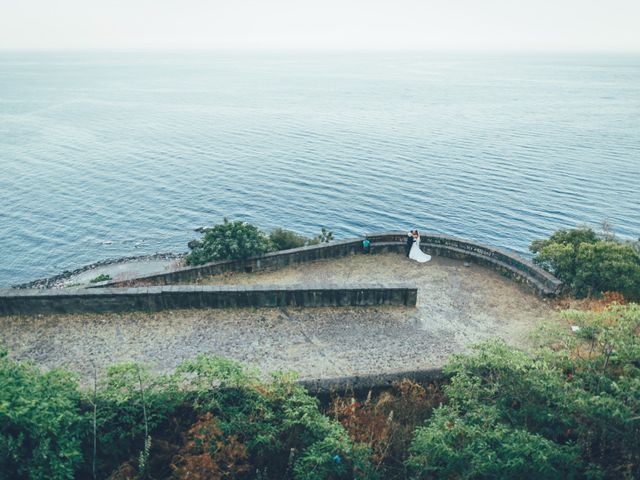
<point x="589" y="263"/>
<point x="237" y="240"/>
<point x="572" y="410"/>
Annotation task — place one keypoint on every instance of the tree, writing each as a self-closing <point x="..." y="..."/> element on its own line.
<point x="229" y="241"/>
<point x="589" y="265"/>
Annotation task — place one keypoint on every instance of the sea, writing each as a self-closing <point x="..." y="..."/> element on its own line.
<point x="110" y="154"/>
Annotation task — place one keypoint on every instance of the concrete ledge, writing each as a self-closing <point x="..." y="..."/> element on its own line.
<point x="361" y="384"/>
<point x="152" y="299"/>
<point x="507" y="263"/>
<point x="268" y="261"/>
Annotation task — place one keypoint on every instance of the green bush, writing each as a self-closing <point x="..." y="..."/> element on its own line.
<point x="229" y="241"/>
<point x="281" y="425"/>
<point x="42" y="426"/>
<point x="325" y="236"/>
<point x="121" y="423"/>
<point x="476" y="444"/>
<point x="570" y="412"/>
<point x="237" y="240"/>
<point x="282" y="239"/>
<point x="103" y="277"/>
<point x="589" y="265"/>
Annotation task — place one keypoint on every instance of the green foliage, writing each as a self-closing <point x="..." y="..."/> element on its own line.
<point x="282" y="239"/>
<point x="602" y="362"/>
<point x="229" y="241"/>
<point x="103" y="277"/>
<point x="120" y="414"/>
<point x="476" y="444"/>
<point x="237" y="240"/>
<point x="325" y="236"/>
<point x="505" y="411"/>
<point x="570" y="412"/>
<point x="41" y="424"/>
<point x="280" y="424"/>
<point x="588" y="265"/>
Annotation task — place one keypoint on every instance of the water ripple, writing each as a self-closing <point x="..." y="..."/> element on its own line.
<point x="114" y="154"/>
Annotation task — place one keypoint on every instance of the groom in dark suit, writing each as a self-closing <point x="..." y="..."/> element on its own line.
<point x="409" y="244"/>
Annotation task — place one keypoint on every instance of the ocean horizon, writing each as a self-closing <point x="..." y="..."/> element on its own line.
<point x="111" y="154"/>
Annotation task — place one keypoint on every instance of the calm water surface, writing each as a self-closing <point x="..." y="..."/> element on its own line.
<point x="105" y="155"/>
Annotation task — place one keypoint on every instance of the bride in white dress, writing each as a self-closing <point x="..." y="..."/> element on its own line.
<point x="415" y="253"/>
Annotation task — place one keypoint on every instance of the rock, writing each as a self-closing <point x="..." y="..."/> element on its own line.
<point x="193" y="244"/>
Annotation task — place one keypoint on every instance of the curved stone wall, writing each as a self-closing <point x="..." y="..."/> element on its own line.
<point x="504" y="262"/>
<point x="507" y="263"/>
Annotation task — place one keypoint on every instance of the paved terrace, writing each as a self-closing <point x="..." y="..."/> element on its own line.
<point x="458" y="306"/>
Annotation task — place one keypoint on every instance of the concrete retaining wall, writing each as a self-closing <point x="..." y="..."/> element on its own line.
<point x="506" y="263"/>
<point x="38" y="301"/>
<point x="361" y="384"/>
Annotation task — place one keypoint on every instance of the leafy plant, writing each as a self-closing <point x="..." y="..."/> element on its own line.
<point x="229" y="241"/>
<point x="282" y="239"/>
<point x="42" y="426"/>
<point x="588" y="264"/>
<point x="325" y="236"/>
<point x="474" y="443"/>
<point x="571" y="411"/>
<point x="103" y="277"/>
<point x="281" y="425"/>
<point x="131" y="403"/>
<point x="208" y="455"/>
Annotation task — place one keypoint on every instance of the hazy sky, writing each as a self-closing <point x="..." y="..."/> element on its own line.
<point x="569" y="25"/>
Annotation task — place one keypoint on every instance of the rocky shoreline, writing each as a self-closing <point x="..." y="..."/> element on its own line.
<point x="60" y="280"/>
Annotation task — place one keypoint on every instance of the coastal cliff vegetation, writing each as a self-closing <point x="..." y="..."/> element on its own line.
<point x="590" y="263"/>
<point x="569" y="410"/>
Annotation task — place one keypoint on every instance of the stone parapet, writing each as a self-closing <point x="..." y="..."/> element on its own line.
<point x="174" y="297"/>
<point x="507" y="263"/>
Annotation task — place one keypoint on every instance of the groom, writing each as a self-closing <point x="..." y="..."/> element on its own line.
<point x="409" y="243"/>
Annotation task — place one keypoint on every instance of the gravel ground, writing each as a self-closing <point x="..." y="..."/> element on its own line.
<point x="457" y="306"/>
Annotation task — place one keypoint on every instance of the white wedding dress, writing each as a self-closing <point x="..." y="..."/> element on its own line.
<point x="416" y="254"/>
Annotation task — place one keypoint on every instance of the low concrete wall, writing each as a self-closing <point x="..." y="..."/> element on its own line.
<point x="38" y="301"/>
<point x="506" y="263"/>
<point x="361" y="384"/>
<point x="269" y="261"/>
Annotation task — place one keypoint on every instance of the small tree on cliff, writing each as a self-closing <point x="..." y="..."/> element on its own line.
<point x="590" y="264"/>
<point x="229" y="241"/>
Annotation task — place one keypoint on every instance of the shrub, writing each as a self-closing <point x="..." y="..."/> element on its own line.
<point x="229" y="241"/>
<point x="476" y="444"/>
<point x="280" y="424"/>
<point x="208" y="455"/>
<point x="131" y="402"/>
<point x="41" y="424"/>
<point x="588" y="265"/>
<point x="570" y="412"/>
<point x="282" y="239"/>
<point x="325" y="236"/>
<point x="386" y="423"/>
<point x="103" y="277"/>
